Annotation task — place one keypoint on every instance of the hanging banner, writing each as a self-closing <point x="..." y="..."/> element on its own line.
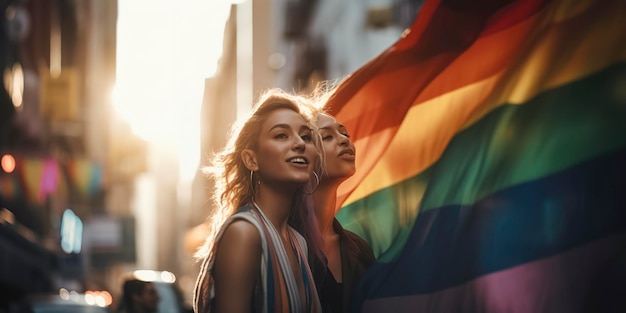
<point x="85" y="175"/>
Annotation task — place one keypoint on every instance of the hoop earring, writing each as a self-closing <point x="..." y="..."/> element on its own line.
<point x="317" y="183"/>
<point x="252" y="183"/>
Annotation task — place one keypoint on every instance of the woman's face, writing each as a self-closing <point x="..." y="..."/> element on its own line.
<point x="338" y="149"/>
<point x="286" y="153"/>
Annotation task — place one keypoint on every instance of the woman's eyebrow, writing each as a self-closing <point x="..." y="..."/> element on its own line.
<point x="287" y="127"/>
<point x="281" y="126"/>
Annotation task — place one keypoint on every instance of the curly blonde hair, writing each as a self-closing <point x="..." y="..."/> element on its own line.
<point x="233" y="182"/>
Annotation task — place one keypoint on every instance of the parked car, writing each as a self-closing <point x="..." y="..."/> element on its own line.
<point x="71" y="302"/>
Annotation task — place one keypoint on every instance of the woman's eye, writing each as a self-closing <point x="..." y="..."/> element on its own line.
<point x="307" y="138"/>
<point x="327" y="137"/>
<point x="280" y="136"/>
<point x="346" y="134"/>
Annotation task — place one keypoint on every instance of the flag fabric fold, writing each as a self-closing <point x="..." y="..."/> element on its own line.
<point x="491" y="159"/>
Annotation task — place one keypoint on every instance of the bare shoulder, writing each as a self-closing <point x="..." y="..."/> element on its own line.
<point x="240" y="246"/>
<point x="237" y="266"/>
<point x="238" y="253"/>
<point x="242" y="235"/>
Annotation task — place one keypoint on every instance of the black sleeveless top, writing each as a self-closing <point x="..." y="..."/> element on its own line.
<point x="332" y="293"/>
<point x="356" y="257"/>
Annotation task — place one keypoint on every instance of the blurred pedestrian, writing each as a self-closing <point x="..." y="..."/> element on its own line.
<point x="338" y="257"/>
<point x="254" y="261"/>
<point x="138" y="296"/>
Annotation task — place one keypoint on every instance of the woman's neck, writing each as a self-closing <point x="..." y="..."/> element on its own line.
<point x="276" y="204"/>
<point x="325" y="198"/>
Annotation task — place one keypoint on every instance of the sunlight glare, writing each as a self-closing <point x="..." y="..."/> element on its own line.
<point x="165" y="51"/>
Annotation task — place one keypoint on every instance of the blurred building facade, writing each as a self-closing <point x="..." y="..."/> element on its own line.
<point x="325" y="40"/>
<point x="68" y="164"/>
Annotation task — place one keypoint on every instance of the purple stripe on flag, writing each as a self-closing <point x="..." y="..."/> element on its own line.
<point x="591" y="278"/>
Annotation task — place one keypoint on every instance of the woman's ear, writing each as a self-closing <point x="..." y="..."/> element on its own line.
<point x="249" y="159"/>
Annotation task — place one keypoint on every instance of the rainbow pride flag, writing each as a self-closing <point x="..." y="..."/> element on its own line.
<point x="491" y="159"/>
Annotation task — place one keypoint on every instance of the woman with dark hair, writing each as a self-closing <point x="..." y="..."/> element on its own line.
<point x="254" y="261"/>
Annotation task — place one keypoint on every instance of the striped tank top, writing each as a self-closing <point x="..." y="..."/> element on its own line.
<point x="277" y="290"/>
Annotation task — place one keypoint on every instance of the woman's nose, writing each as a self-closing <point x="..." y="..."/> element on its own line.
<point x="343" y="140"/>
<point x="299" y="144"/>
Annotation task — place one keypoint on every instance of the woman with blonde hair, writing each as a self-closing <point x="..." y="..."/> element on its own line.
<point x="254" y="261"/>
